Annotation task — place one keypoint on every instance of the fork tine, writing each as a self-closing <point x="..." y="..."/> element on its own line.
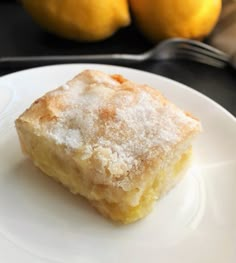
<point x="198" y="57"/>
<point x="204" y="52"/>
<point x="202" y="48"/>
<point x="201" y="45"/>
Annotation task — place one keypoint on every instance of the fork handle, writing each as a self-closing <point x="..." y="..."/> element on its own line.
<point x="23" y="61"/>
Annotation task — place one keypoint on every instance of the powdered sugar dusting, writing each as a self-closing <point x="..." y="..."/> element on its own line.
<point x="70" y="137"/>
<point x="116" y="127"/>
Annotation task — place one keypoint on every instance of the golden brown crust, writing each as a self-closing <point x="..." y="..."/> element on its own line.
<point x="118" y="78"/>
<point x="112" y="118"/>
<point x="105" y="132"/>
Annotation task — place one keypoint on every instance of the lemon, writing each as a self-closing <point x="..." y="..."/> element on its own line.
<point x="161" y="19"/>
<point x="86" y="20"/>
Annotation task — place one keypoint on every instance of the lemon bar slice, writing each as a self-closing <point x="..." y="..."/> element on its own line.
<point x="119" y="144"/>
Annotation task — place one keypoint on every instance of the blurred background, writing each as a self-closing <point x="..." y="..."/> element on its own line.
<point x="73" y="27"/>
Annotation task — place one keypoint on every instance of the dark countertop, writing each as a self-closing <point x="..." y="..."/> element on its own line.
<point x="21" y="36"/>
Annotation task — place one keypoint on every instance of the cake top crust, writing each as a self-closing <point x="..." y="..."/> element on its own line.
<point x="120" y="124"/>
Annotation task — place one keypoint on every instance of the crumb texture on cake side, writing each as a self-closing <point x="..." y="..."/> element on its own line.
<point x="118" y="138"/>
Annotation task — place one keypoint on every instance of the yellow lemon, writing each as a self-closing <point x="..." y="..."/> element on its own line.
<point x="161" y="19"/>
<point x="86" y="20"/>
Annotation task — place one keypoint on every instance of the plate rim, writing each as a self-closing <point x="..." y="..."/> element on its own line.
<point x="175" y="82"/>
<point x="227" y="114"/>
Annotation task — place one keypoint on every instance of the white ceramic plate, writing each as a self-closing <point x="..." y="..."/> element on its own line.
<point x="40" y="221"/>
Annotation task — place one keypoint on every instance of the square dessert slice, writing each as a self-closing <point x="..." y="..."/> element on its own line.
<point x="119" y="144"/>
